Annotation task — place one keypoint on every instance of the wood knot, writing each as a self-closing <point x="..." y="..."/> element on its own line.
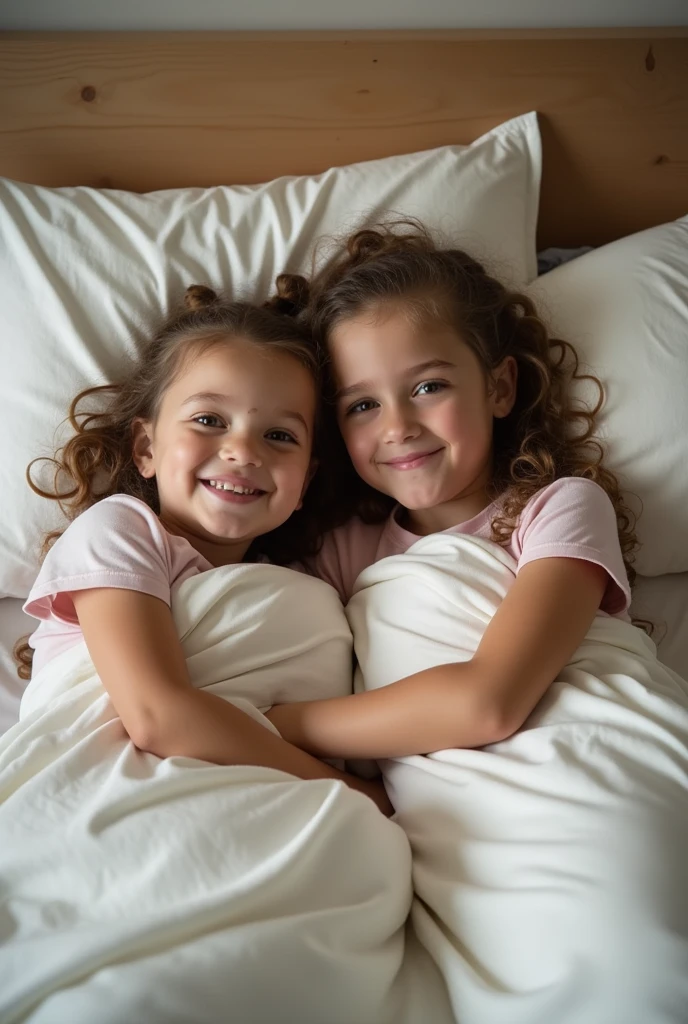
<point x="661" y="159"/>
<point x="363" y="92"/>
<point x="650" y="61"/>
<point x="88" y="94"/>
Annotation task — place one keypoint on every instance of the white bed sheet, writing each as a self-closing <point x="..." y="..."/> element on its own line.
<point x="662" y="599"/>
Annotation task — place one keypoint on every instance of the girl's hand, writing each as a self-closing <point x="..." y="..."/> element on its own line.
<point x="288" y="719"/>
<point x="374" y="789"/>
<point x="532" y="636"/>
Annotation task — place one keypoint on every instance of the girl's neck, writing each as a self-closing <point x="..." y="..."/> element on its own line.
<point x="443" y="517"/>
<point x="220" y="552"/>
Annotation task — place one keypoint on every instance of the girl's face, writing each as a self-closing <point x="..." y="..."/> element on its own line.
<point x="231" y="446"/>
<point x="416" y="411"/>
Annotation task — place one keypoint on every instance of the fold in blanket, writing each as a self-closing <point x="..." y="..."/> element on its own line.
<point x="549" y="870"/>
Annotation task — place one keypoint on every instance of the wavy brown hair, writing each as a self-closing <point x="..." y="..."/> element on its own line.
<point x="545" y="437"/>
<point x="97" y="461"/>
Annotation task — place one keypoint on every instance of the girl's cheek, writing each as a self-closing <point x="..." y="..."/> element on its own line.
<point x="360" y="453"/>
<point x="353" y="439"/>
<point x="184" y="446"/>
<point x="190" y="449"/>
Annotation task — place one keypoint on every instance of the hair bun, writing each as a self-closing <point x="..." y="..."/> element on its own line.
<point x="366" y="243"/>
<point x="198" y="296"/>
<point x="292" y="295"/>
<point x="397" y="236"/>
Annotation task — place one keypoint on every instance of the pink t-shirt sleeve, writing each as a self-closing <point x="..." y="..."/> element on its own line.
<point x="574" y="518"/>
<point x="118" y="542"/>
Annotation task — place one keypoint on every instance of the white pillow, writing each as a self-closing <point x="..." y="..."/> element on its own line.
<point x="625" y="308"/>
<point x="663" y="600"/>
<point x="84" y="273"/>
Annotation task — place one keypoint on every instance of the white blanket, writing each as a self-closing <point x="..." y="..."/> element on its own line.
<point x="550" y="870"/>
<point x="139" y="890"/>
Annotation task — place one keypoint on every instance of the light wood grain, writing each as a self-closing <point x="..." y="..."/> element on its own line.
<point x="148" y="111"/>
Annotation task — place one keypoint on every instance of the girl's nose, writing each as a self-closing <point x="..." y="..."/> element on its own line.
<point x="241" y="449"/>
<point x="399" y="426"/>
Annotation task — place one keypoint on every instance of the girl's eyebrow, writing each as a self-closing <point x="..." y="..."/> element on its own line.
<point x="204" y="396"/>
<point x="366" y="385"/>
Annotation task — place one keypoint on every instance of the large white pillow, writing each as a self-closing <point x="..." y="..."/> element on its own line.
<point x="625" y="308"/>
<point x="83" y="273"/>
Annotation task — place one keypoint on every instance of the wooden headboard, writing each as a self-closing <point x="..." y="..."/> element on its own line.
<point x="146" y="111"/>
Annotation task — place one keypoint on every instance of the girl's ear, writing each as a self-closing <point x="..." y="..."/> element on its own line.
<point x="312" y="469"/>
<point x="503" y="387"/>
<point x="142" y="448"/>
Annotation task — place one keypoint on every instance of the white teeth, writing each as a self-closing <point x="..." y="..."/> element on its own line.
<point x="235" y="488"/>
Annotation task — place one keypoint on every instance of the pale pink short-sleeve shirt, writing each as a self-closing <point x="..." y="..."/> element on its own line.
<point x="118" y="542"/>
<point x="571" y="518"/>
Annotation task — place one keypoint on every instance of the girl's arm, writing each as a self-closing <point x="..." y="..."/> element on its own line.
<point x="537" y="628"/>
<point x="133" y="643"/>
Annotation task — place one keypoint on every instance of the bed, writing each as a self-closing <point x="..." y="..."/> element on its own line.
<point x="405" y="116"/>
<point x="159" y="111"/>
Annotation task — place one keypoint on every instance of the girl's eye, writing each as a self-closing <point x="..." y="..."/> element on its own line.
<point x="429" y="387"/>
<point x="365" y="405"/>
<point x="208" y="420"/>
<point x="283" y="436"/>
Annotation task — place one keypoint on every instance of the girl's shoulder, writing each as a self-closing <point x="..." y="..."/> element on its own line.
<point x="571" y="501"/>
<point x="574" y="518"/>
<point x="121" y="511"/>
<point x="117" y="542"/>
<point x="117" y="522"/>
<point x="120" y="529"/>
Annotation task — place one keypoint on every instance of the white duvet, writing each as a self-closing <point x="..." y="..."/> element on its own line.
<point x="141" y="891"/>
<point x="550" y="870"/>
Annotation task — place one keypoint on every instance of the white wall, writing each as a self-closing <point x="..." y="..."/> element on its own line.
<point x="331" y="14"/>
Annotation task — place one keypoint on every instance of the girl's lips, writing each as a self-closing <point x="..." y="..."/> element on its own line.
<point x="411" y="461"/>
<point x="231" y="496"/>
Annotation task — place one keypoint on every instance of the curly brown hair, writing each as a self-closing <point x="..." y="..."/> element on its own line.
<point x="97" y="461"/>
<point x="545" y="437"/>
